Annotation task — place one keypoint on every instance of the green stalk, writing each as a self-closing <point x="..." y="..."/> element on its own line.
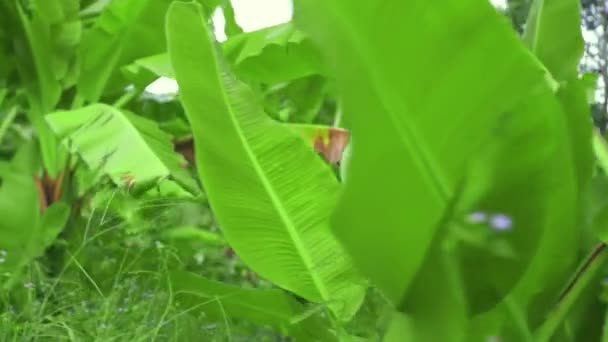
<point x="338" y="119"/>
<point x="519" y="319"/>
<point x="605" y="328"/>
<point x="126" y="98"/>
<point x="77" y="101"/>
<point x="600" y="147"/>
<point x="585" y="274"/>
<point x="10" y="117"/>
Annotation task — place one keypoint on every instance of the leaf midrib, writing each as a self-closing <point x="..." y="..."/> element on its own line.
<point x="281" y="210"/>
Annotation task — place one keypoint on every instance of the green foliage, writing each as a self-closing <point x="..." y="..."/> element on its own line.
<point x="464" y="199"/>
<point x="422" y="163"/>
<point x="25" y="232"/>
<point x="274" y="54"/>
<point x="48" y="89"/>
<point x="272" y="163"/>
<point x="108" y="45"/>
<point x="262" y="306"/>
<point x="137" y="152"/>
<point x="49" y="40"/>
<point x="552" y="33"/>
<point x="270" y="55"/>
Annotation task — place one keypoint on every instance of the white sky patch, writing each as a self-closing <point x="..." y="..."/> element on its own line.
<point x="219" y="24"/>
<point x="256" y="14"/>
<point x="501" y="4"/>
<point x="162" y="86"/>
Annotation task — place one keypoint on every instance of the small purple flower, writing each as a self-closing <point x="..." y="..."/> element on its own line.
<point x="501" y="222"/>
<point x="477" y="217"/>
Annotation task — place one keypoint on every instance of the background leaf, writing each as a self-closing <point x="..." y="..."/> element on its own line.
<point x="125" y="31"/>
<point x="270" y="55"/>
<point x="135" y="151"/>
<point x="273" y="54"/>
<point x="46" y="93"/>
<point x="25" y="233"/>
<point x="262" y="306"/>
<point x="19" y="206"/>
<point x="553" y="34"/>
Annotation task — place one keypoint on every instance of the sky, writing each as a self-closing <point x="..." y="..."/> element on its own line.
<point x="256" y="14"/>
<point x="499" y="3"/>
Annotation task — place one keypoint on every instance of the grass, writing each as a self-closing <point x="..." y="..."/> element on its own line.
<point x="107" y="279"/>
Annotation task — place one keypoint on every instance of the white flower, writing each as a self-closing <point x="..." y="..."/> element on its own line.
<point x="477" y="217"/>
<point x="501" y="222"/>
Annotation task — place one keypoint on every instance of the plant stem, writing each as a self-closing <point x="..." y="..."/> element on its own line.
<point x="600" y="147"/>
<point x="605" y="328"/>
<point x="519" y="319"/>
<point x="582" y="278"/>
<point x="338" y="118"/>
<point x="125" y="98"/>
<point x="10" y="117"/>
<point x="77" y="101"/>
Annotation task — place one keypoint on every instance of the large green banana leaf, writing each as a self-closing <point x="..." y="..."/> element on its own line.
<point x="271" y="194"/>
<point x="135" y="152"/>
<point x="436" y="95"/>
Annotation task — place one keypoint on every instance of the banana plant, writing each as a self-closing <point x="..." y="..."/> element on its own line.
<point x="262" y="163"/>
